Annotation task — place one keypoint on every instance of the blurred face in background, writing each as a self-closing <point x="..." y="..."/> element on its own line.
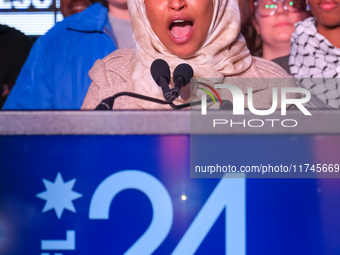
<point x="274" y="21"/>
<point x="69" y="7"/>
<point x="326" y="12"/>
<point x="118" y="9"/>
<point x="118" y="3"/>
<point x="181" y="25"/>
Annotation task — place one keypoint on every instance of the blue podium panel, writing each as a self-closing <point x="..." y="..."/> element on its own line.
<point x="130" y="194"/>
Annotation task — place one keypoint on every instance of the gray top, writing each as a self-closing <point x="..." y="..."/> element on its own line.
<point x="161" y="122"/>
<point x="123" y="32"/>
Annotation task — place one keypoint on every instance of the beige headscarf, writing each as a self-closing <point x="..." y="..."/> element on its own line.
<point x="224" y="52"/>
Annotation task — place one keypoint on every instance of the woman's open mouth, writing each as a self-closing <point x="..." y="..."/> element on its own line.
<point x="180" y="30"/>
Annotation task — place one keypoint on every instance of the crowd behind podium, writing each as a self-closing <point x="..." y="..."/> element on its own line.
<point x="302" y="37"/>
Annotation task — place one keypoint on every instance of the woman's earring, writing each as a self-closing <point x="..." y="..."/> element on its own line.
<point x="307" y="6"/>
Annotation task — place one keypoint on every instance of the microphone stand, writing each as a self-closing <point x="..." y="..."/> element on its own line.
<point x="107" y="104"/>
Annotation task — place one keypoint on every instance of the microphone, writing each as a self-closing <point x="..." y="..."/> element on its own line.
<point x="160" y="72"/>
<point x="182" y="75"/>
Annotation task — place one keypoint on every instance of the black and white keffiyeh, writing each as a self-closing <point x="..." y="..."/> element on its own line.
<point x="315" y="62"/>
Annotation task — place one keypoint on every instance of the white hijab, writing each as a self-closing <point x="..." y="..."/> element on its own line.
<point x="223" y="53"/>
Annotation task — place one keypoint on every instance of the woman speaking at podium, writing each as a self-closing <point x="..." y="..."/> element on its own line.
<point x="202" y="33"/>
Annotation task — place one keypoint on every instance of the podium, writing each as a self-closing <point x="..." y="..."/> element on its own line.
<point x="121" y="183"/>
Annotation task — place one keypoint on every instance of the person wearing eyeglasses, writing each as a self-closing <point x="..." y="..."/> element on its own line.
<point x="274" y="21"/>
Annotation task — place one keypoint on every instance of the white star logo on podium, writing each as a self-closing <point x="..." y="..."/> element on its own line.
<point x="59" y="195"/>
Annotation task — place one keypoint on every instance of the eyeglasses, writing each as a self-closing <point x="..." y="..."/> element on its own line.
<point x="268" y="8"/>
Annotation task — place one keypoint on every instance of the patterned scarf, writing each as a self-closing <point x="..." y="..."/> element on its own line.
<point x="223" y="53"/>
<point x="316" y="64"/>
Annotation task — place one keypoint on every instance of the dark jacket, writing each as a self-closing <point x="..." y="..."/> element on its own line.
<point x="14" y="49"/>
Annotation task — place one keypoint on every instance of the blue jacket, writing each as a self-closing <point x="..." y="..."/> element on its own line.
<point x="55" y="75"/>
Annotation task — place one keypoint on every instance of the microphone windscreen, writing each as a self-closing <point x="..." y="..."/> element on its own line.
<point x="185" y="71"/>
<point x="160" y="69"/>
